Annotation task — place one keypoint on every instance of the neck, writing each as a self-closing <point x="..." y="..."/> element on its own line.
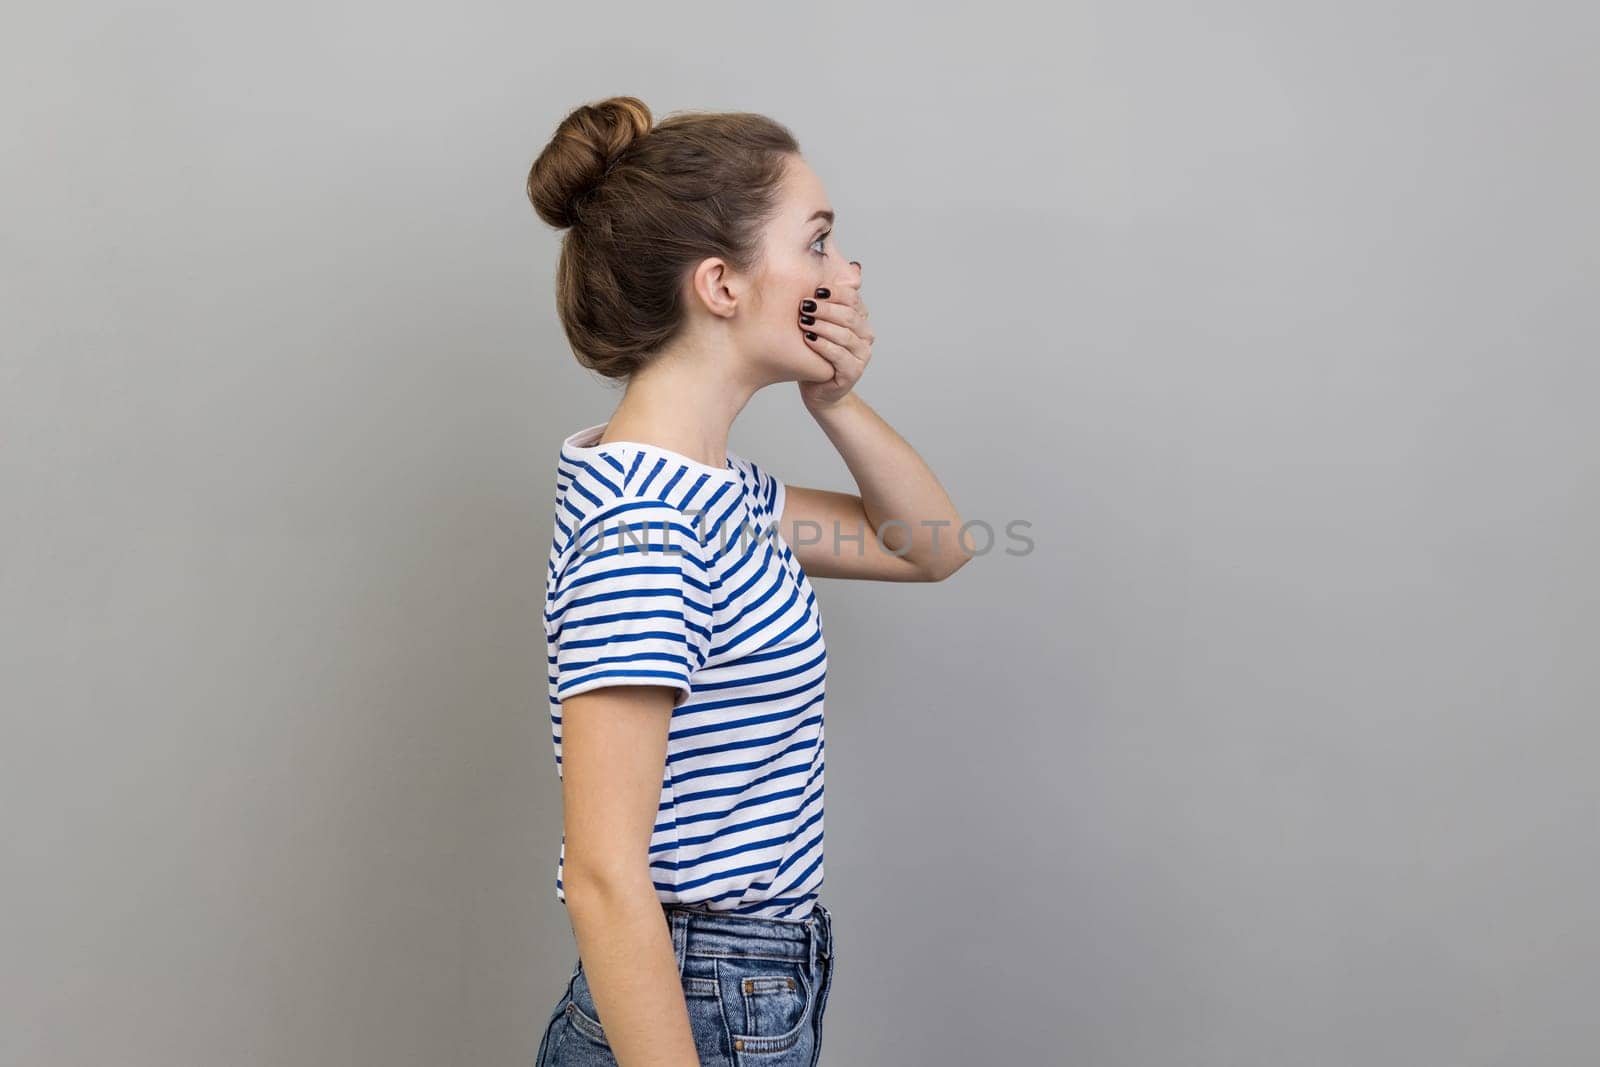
<point x="684" y="400"/>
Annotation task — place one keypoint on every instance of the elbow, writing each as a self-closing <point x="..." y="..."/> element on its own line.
<point x="603" y="883"/>
<point x="594" y="901"/>
<point x="943" y="566"/>
<point x="947" y="558"/>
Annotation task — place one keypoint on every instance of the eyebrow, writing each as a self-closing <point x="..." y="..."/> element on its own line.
<point x="822" y="214"/>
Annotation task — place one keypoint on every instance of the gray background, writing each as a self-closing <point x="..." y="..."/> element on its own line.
<point x="1277" y="321"/>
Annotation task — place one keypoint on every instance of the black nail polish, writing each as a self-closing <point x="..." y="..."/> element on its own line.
<point x="808" y="305"/>
<point x="810" y="336"/>
<point x="822" y="293"/>
<point x="808" y="319"/>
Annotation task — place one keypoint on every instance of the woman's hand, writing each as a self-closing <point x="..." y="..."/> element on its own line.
<point x="837" y="331"/>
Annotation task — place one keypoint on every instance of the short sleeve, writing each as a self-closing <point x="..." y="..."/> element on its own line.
<point x="632" y="604"/>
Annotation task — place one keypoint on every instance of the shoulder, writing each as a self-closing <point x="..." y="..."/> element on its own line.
<point x="604" y="527"/>
<point x="610" y="484"/>
<point x="625" y="518"/>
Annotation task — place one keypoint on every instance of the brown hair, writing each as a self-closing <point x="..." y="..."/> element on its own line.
<point x="642" y="205"/>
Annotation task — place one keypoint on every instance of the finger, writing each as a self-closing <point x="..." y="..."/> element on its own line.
<point x="850" y="293"/>
<point x="845" y="367"/>
<point x="837" y="343"/>
<point x="857" y="331"/>
<point x="836" y="310"/>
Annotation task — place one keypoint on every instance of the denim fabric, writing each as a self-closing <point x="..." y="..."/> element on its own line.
<point x="755" y="990"/>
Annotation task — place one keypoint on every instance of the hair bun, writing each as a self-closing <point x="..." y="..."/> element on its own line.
<point x="582" y="151"/>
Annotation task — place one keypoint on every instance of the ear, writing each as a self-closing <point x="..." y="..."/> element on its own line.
<point x="716" y="286"/>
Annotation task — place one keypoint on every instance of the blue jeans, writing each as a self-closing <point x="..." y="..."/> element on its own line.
<point x="755" y="989"/>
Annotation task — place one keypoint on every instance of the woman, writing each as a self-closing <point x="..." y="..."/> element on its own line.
<point x="687" y="662"/>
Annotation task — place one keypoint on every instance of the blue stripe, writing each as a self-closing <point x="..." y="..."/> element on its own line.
<point x="572" y="683"/>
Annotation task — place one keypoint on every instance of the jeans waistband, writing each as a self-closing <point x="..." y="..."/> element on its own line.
<point x="806" y="939"/>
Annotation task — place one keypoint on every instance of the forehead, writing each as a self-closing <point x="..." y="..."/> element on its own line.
<point x="804" y="194"/>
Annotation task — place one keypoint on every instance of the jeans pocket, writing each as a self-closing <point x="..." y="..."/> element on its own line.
<point x="768" y="1003"/>
<point x="581" y="1010"/>
<point x="701" y="994"/>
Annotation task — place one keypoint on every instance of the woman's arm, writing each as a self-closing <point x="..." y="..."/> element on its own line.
<point x="835" y="535"/>
<point x="613" y="750"/>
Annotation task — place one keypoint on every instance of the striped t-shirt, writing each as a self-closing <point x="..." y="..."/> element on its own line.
<point x="651" y="583"/>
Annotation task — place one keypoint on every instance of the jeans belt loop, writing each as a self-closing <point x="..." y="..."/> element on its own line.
<point x="678" y="923"/>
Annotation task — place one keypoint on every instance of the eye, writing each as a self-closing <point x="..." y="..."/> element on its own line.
<point x="823" y="236"/>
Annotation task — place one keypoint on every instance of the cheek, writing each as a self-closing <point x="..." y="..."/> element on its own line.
<point x="788" y="289"/>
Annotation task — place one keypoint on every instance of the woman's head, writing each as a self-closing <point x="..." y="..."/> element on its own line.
<point x="699" y="230"/>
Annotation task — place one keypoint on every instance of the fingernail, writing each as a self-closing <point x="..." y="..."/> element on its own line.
<point x="823" y="293"/>
<point x="810" y="336"/>
<point x="808" y="319"/>
<point x="808" y="305"/>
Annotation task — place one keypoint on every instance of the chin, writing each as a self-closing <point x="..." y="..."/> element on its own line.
<point x="811" y="373"/>
<point x="803" y="366"/>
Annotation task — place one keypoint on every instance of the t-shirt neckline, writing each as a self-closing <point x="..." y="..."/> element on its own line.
<point x="581" y="445"/>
